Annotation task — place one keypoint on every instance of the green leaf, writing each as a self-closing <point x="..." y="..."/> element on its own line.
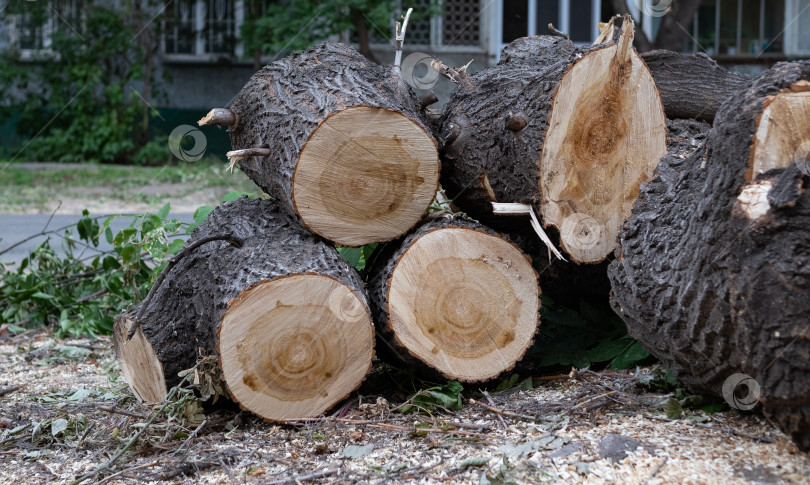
<point x="231" y="196"/>
<point x="58" y="426"/>
<point x="42" y="296"/>
<point x="351" y="255"/>
<point x="630" y="357"/>
<point x="474" y="462"/>
<point x="200" y="215"/>
<point x="507" y="383"/>
<point x="672" y="407"/>
<point x="607" y="350"/>
<point x="175" y="246"/>
<point x="164" y="211"/>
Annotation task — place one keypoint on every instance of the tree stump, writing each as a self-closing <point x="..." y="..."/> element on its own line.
<point x="571" y="131"/>
<point x="457" y="297"/>
<point x="692" y="86"/>
<point x="285" y="314"/>
<point x="336" y="140"/>
<point x="713" y="272"/>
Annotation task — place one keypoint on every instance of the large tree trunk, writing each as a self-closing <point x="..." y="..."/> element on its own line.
<point x="338" y="141"/>
<point x="572" y="132"/>
<point x="285" y="314"/>
<point x="713" y="271"/>
<point x="457" y="297"/>
<point x="692" y="85"/>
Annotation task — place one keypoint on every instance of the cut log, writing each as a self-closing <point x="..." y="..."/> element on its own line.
<point x="713" y="272"/>
<point x="456" y="297"/>
<point x="571" y="131"/>
<point x="348" y="152"/>
<point x="285" y="314"/>
<point x="692" y="85"/>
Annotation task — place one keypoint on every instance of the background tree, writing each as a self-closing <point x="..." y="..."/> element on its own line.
<point x="286" y="26"/>
<point x="86" y="96"/>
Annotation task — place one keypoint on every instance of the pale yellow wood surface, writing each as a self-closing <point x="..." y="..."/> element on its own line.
<point x="139" y="363"/>
<point x="464" y="302"/>
<point x="783" y="134"/>
<point x="295" y="346"/>
<point x="365" y="175"/>
<point x="606" y="134"/>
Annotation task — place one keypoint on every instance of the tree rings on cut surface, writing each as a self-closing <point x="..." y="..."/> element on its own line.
<point x="293" y="346"/>
<point x="460" y="299"/>
<point x="607" y="132"/>
<point x="363" y="173"/>
<point x="284" y="314"/>
<point x="339" y="142"/>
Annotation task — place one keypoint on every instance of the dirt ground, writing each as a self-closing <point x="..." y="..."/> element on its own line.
<point x="74" y="412"/>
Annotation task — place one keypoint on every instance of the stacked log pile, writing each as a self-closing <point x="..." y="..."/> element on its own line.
<point x="708" y="225"/>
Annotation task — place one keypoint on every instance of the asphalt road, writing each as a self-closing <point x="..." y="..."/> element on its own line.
<point x="15" y="228"/>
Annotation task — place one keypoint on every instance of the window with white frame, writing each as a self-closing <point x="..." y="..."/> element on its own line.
<point x="797" y="30"/>
<point x="740" y="27"/>
<point x="203" y="28"/>
<point x="32" y="34"/>
<point x="520" y="18"/>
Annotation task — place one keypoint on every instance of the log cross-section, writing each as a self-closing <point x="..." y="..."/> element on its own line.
<point x="347" y="151"/>
<point x="456" y="297"/>
<point x="285" y="314"/>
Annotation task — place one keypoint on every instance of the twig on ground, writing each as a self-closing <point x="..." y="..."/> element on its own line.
<point x="504" y="412"/>
<point x="305" y="478"/>
<point x="139" y="467"/>
<point x="191" y="436"/>
<point x="762" y="439"/>
<point x="122" y="412"/>
<point x="379" y="424"/>
<point x="9" y="390"/>
<point x="655" y="472"/>
<point x="492" y="403"/>
<point x="132" y="441"/>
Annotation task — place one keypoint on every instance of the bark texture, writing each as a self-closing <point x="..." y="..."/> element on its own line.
<point x="186" y="311"/>
<point x="450" y="279"/>
<point x="283" y="104"/>
<point x="693" y="86"/>
<point x="713" y="272"/>
<point x="482" y="160"/>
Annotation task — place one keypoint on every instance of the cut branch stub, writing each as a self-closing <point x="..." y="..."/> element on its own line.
<point x="285" y="314"/>
<point x="349" y="154"/>
<point x="456" y="297"/>
<point x="218" y="116"/>
<point x="606" y="135"/>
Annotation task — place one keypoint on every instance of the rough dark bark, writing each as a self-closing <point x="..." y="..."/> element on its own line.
<point x="474" y="141"/>
<point x="187" y="309"/>
<point x="284" y="103"/>
<point x="692" y="85"/>
<point x="390" y="343"/>
<point x="711" y="287"/>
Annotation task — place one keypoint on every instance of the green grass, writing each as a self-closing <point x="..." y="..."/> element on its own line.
<point x="24" y="188"/>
